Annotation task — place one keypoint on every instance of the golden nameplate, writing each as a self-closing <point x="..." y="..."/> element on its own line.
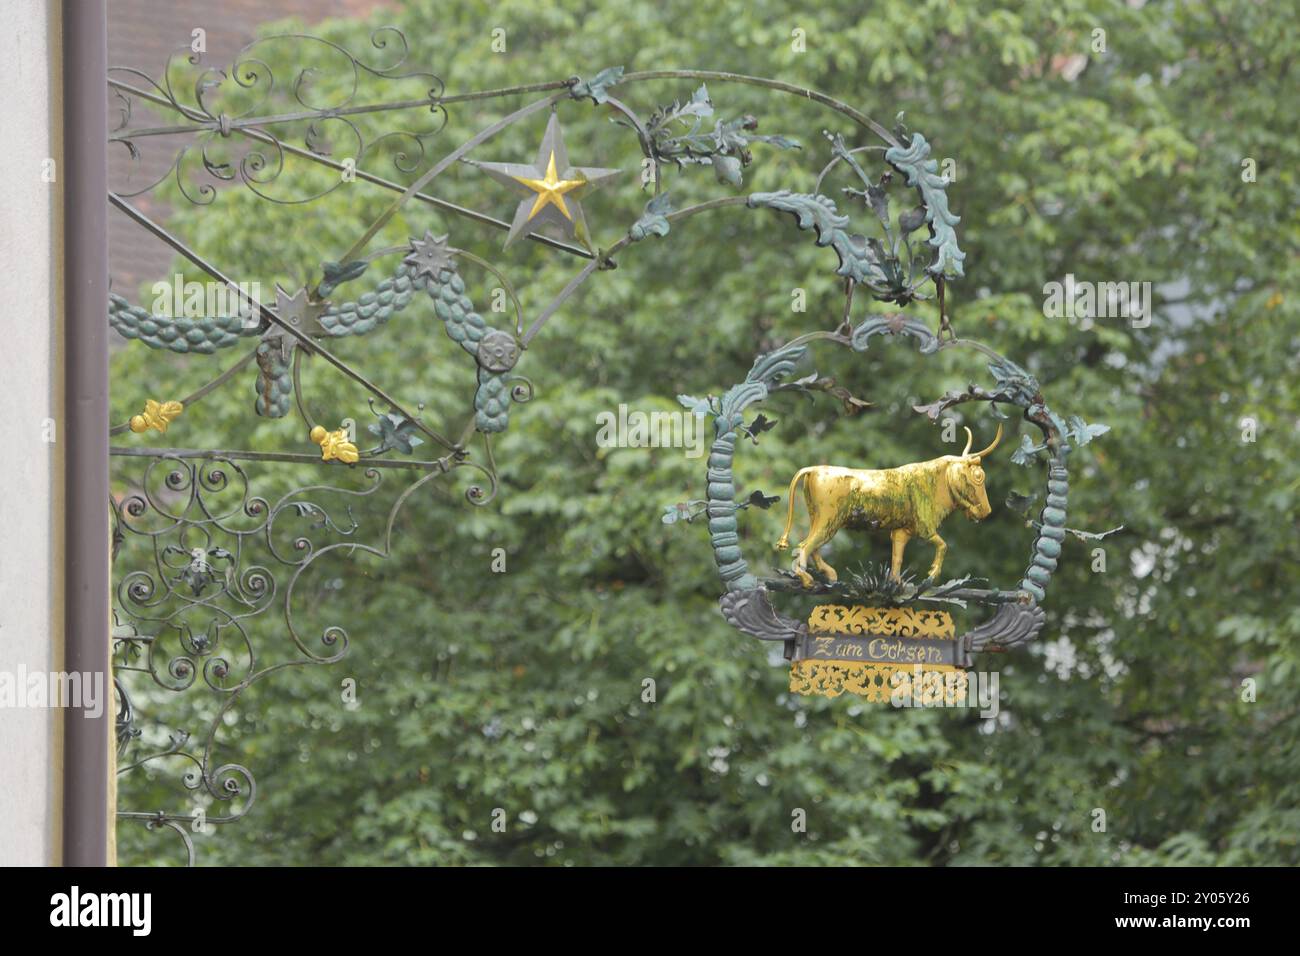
<point x="878" y="653"/>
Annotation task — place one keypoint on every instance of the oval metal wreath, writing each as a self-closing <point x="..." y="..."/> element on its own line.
<point x="746" y="604"/>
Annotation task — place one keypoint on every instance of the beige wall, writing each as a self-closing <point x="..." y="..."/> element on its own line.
<point x="30" y="393"/>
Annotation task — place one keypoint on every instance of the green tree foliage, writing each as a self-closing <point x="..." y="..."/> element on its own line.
<point x="1114" y="156"/>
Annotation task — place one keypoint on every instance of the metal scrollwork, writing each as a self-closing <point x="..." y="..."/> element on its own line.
<point x="246" y="124"/>
<point x="206" y="564"/>
<point x="894" y="324"/>
<point x="210" y="559"/>
<point x="751" y="611"/>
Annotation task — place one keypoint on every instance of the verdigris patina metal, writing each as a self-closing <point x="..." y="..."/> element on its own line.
<point x="922" y="173"/>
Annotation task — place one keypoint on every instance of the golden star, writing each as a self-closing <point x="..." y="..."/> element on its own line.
<point x="550" y="190"/>
<point x="553" y="190"/>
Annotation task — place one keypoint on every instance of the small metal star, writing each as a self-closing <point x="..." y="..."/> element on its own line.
<point x="553" y="188"/>
<point x="298" y="311"/>
<point x="430" y="256"/>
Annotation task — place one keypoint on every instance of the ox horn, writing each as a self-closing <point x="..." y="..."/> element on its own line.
<point x="980" y="454"/>
<point x="970" y="440"/>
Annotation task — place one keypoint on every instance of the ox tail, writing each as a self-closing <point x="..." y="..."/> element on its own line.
<point x="789" y="511"/>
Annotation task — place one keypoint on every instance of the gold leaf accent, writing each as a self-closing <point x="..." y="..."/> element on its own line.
<point x="885" y="621"/>
<point x="156" y="415"/>
<point x="876" y="682"/>
<point x="334" y="446"/>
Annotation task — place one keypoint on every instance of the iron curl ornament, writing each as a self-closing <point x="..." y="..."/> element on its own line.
<point x="216" y="558"/>
<point x="238" y="138"/>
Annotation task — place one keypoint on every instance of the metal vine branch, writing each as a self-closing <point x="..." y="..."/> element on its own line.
<point x="216" y="557"/>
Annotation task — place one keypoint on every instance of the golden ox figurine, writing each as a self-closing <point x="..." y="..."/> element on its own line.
<point x="910" y="501"/>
